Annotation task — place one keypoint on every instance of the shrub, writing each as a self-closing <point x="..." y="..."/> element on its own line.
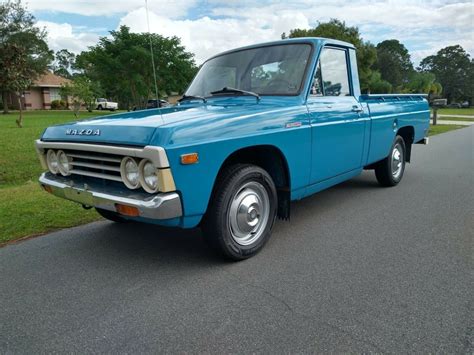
<point x="58" y="105"/>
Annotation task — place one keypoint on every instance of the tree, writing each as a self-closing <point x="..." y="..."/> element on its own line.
<point x="366" y="52"/>
<point x="64" y="63"/>
<point x="453" y="68"/>
<point x="394" y="63"/>
<point x="122" y="65"/>
<point x="24" y="54"/>
<point x="423" y="82"/>
<point x="377" y="85"/>
<point x="83" y="91"/>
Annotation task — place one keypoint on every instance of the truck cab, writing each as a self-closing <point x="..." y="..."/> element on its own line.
<point x="257" y="128"/>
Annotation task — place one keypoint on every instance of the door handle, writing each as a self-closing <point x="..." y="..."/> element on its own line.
<point x="357" y="109"/>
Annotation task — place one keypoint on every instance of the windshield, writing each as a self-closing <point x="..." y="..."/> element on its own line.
<point x="271" y="70"/>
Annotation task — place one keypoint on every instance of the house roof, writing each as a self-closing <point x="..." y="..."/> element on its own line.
<point x="49" y="79"/>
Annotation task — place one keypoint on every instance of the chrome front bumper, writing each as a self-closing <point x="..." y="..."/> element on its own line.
<point x="160" y="206"/>
<point x="424" y="141"/>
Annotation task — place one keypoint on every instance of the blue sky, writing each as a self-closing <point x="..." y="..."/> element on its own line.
<point x="212" y="26"/>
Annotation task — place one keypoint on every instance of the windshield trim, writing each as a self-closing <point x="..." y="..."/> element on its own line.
<point x="305" y="74"/>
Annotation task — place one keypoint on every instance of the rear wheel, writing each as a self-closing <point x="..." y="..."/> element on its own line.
<point x="389" y="172"/>
<point x="111" y="216"/>
<point x="242" y="212"/>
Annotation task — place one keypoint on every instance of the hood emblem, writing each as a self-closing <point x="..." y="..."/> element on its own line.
<point x="83" y="132"/>
<point x="293" y="124"/>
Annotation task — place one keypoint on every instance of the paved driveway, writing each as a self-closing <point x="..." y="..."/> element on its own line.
<point x="358" y="268"/>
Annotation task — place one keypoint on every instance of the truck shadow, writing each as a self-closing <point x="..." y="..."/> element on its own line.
<point x="162" y="245"/>
<point x="156" y="243"/>
<point x="337" y="195"/>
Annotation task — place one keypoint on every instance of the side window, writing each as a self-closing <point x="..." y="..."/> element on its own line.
<point x="331" y="77"/>
<point x="317" y="87"/>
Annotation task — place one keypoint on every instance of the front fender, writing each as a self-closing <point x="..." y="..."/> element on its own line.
<point x="195" y="182"/>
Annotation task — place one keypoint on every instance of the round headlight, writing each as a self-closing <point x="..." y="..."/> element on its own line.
<point x="148" y="177"/>
<point x="52" y="161"/>
<point x="129" y="173"/>
<point x="63" y="163"/>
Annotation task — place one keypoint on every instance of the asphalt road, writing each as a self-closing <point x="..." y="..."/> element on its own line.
<point x="359" y="268"/>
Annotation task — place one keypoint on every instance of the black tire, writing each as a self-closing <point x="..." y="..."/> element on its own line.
<point x="111" y="216"/>
<point x="389" y="172"/>
<point x="236" y="187"/>
<point x="99" y="107"/>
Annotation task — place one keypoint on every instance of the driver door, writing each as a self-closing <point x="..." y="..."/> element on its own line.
<point x="336" y="117"/>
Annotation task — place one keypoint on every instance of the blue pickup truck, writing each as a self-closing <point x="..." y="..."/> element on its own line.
<point x="257" y="128"/>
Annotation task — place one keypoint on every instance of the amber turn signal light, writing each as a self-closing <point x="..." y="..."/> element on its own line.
<point x="127" y="210"/>
<point x="190" y="158"/>
<point x="48" y="188"/>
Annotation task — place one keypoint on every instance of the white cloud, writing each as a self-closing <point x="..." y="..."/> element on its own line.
<point x="62" y="35"/>
<point x="206" y="36"/>
<point x="434" y="45"/>
<point x="172" y="8"/>
<point x="424" y="26"/>
<point x="432" y="25"/>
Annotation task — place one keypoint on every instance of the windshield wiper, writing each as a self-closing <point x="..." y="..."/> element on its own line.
<point x="192" y="97"/>
<point x="228" y="90"/>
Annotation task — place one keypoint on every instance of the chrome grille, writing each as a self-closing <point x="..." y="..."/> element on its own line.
<point x="98" y="165"/>
<point x="102" y="162"/>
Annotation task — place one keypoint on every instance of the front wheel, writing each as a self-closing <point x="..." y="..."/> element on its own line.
<point x="389" y="172"/>
<point x="242" y="211"/>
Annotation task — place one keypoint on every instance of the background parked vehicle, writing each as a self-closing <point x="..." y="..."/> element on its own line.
<point x="454" y="105"/>
<point x="104" y="104"/>
<point x="154" y="103"/>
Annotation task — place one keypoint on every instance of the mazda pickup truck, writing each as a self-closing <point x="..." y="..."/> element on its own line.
<point x="257" y="128"/>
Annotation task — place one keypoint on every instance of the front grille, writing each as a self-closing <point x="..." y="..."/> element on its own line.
<point x="98" y="165"/>
<point x="101" y="163"/>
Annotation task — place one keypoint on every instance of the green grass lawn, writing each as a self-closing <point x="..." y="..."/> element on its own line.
<point x="26" y="209"/>
<point x="447" y="118"/>
<point x="442" y="128"/>
<point x="456" y="111"/>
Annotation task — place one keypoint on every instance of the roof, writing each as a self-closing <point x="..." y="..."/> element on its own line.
<point x="49" y="79"/>
<point x="312" y="40"/>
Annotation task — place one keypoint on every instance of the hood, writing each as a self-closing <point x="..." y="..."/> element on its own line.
<point x="130" y="128"/>
<point x="138" y="128"/>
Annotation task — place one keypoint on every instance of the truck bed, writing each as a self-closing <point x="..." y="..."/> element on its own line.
<point x="391" y="112"/>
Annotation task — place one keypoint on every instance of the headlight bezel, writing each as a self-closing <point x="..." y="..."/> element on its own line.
<point x="143" y="177"/>
<point x="124" y="173"/>
<point x="65" y="171"/>
<point x="49" y="155"/>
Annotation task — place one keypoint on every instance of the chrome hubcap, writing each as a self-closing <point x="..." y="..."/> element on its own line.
<point x="397" y="161"/>
<point x="249" y="213"/>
